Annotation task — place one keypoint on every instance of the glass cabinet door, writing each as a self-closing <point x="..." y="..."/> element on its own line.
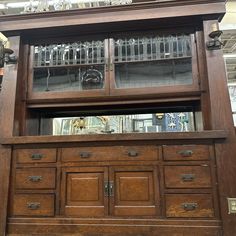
<point x="152" y="61"/>
<point x="78" y="66"/>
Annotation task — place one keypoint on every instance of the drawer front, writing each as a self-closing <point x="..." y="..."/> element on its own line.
<point x="35" y="155"/>
<point x="186" y="152"/>
<point x="187" y="176"/>
<point x="189" y="205"/>
<point x="115" y="153"/>
<point x="35" y="178"/>
<point x="33" y="205"/>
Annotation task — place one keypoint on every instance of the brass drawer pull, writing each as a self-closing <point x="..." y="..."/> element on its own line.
<point x="33" y="205"/>
<point x="35" y="178"/>
<point x="84" y="154"/>
<point x="188" y="177"/>
<point x="36" y="156"/>
<point x="186" y="153"/>
<point x="132" y="153"/>
<point x="189" y="206"/>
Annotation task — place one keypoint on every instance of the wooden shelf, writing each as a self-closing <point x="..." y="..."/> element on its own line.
<point x="214" y="134"/>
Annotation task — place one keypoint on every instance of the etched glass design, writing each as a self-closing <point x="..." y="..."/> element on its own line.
<point x="69" y="66"/>
<point x="153" y="61"/>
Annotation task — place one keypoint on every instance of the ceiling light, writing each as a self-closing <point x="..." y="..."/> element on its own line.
<point x="2" y="6"/>
<point x="229" y="55"/>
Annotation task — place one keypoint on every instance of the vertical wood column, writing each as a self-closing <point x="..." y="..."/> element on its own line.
<point x="221" y="118"/>
<point x="7" y="107"/>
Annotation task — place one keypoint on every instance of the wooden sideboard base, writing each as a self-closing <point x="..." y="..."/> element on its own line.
<point x="112" y="227"/>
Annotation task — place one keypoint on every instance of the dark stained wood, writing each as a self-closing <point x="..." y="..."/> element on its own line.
<point x="145" y="11"/>
<point x="221" y="117"/>
<point x="135" y="191"/>
<point x="7" y="106"/>
<point x="185" y="152"/>
<point x="5" y="164"/>
<point x="35" y="178"/>
<point x="89" y="184"/>
<point x="176" y="205"/>
<point x="21" y="205"/>
<point x="217" y="134"/>
<point x="83" y="192"/>
<point x="114" y="153"/>
<point x="35" y="155"/>
<point x="148" y="227"/>
<point x="187" y="176"/>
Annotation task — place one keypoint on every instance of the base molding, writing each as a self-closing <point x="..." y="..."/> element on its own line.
<point x="112" y="227"/>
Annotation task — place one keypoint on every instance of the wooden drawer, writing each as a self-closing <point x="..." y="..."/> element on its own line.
<point x="115" y="153"/>
<point x="186" y="152"/>
<point x="35" y="178"/>
<point x="35" y="155"/>
<point x="187" y="176"/>
<point x="33" y="205"/>
<point x="189" y="205"/>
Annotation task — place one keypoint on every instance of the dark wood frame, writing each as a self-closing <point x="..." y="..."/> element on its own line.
<point x="216" y="113"/>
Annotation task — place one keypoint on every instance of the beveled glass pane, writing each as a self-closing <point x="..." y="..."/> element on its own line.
<point x="69" y="66"/>
<point x="68" y="79"/>
<point x="152" y="48"/>
<point x="76" y="53"/>
<point x="153" y="73"/>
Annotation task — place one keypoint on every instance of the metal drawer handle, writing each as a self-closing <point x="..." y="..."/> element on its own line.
<point x="106" y="188"/>
<point x="187" y="177"/>
<point x="189" y="206"/>
<point x="33" y="205"/>
<point x="111" y="188"/>
<point x="186" y="153"/>
<point x="36" y="156"/>
<point x="132" y="153"/>
<point x="84" y="154"/>
<point x="35" y="178"/>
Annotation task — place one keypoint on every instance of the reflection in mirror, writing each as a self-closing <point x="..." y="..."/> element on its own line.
<point x="134" y="123"/>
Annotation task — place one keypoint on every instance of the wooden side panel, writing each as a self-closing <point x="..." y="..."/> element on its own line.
<point x="83" y="192"/>
<point x="7" y="106"/>
<point x="221" y="118"/>
<point x="135" y="191"/>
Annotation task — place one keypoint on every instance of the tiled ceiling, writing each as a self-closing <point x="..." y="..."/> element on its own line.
<point x="229" y="48"/>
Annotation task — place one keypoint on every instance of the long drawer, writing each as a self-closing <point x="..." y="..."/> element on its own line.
<point x="189" y="205"/>
<point x="185" y="152"/>
<point x="33" y="205"/>
<point x="35" y="178"/>
<point x="35" y="155"/>
<point x="114" y="153"/>
<point x="187" y="176"/>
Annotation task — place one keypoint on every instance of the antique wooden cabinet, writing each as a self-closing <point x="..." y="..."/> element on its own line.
<point x="116" y="120"/>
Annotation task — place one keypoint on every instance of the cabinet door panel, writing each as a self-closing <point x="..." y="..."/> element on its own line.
<point x="135" y="191"/>
<point x="83" y="192"/>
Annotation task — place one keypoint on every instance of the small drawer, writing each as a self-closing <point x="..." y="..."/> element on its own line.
<point x="189" y="205"/>
<point x="35" y="155"/>
<point x="115" y="153"/>
<point x="33" y="205"/>
<point x="187" y="176"/>
<point x="186" y="152"/>
<point x="35" y="178"/>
